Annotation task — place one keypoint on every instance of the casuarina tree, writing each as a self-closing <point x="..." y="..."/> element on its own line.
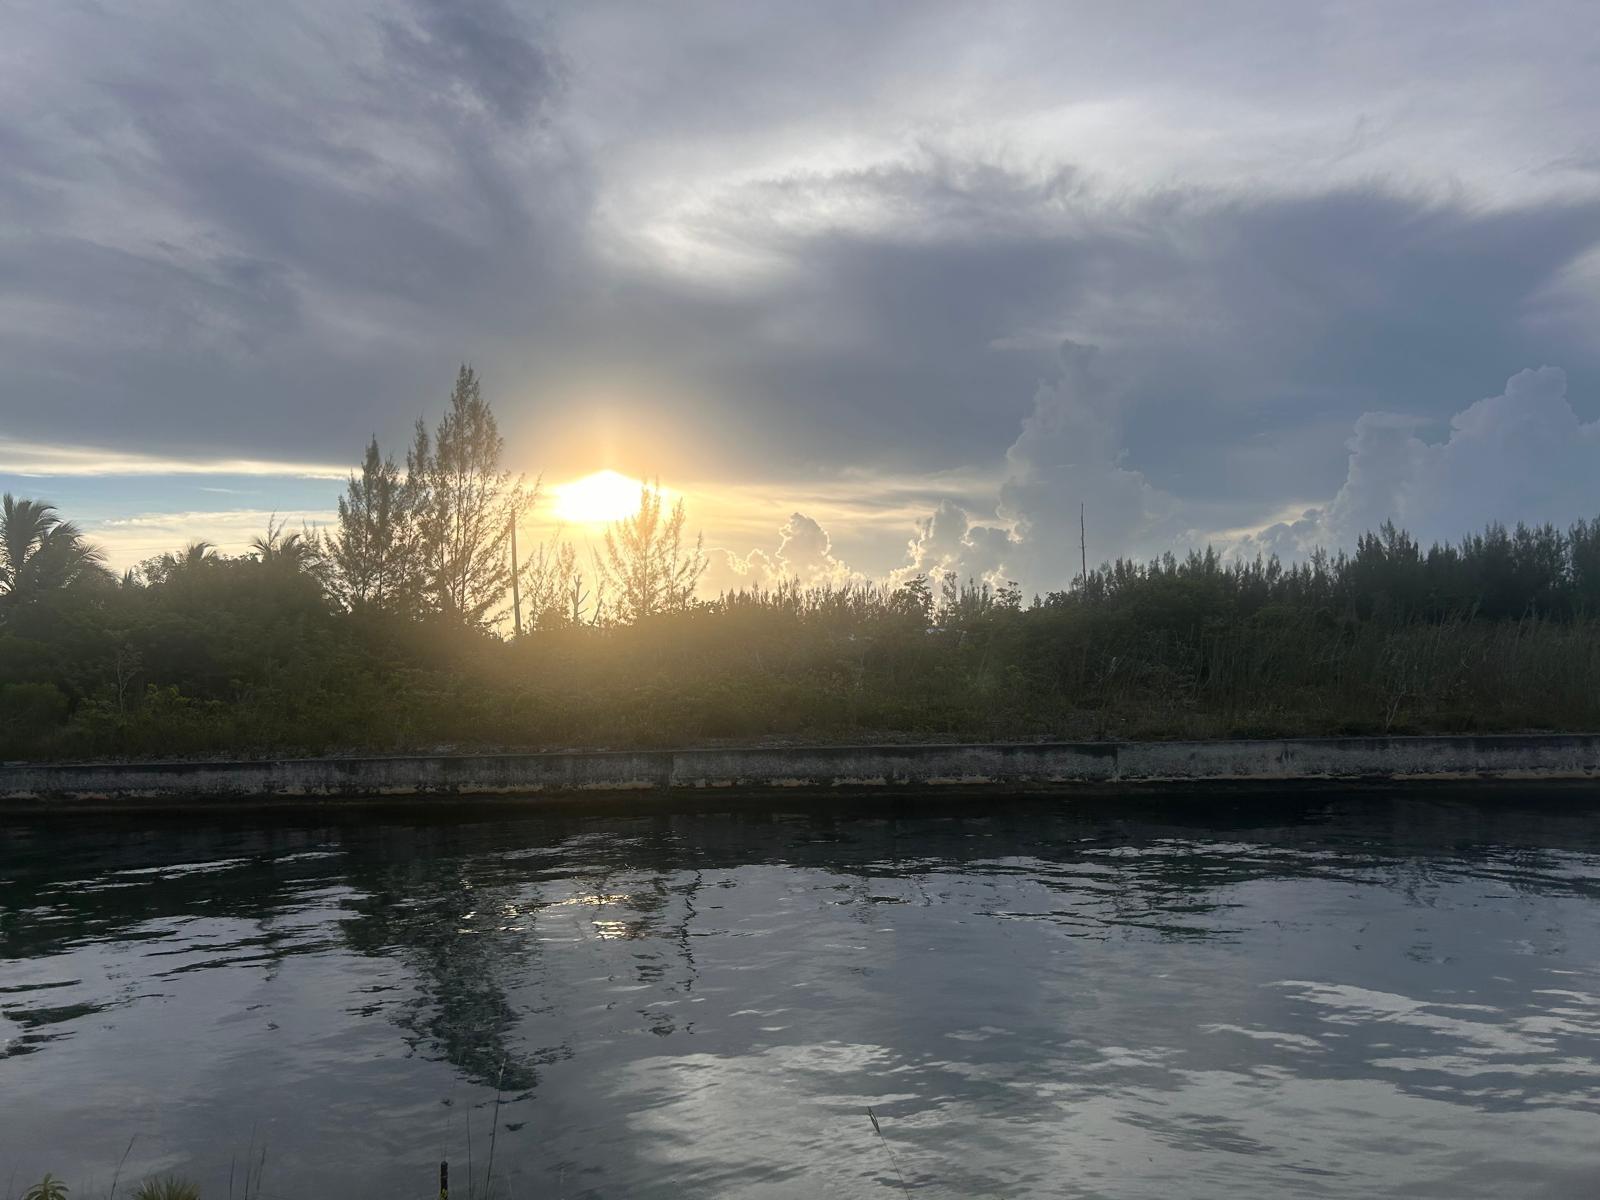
<point x="374" y="553"/>
<point x="647" y="566"/>
<point x="466" y="505"/>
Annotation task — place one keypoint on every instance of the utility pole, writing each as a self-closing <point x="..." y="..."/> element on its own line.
<point x="1083" y="546"/>
<point x="516" y="589"/>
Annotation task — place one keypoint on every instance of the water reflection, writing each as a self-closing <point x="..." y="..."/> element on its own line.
<point x="1354" y="997"/>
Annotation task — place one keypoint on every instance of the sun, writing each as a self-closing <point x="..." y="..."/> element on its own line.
<point x="597" y="499"/>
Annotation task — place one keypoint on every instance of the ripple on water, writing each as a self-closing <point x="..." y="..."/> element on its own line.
<point x="1384" y="997"/>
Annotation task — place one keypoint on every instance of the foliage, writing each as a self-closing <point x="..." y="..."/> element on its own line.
<point x="48" y="1188"/>
<point x="167" y="1187"/>
<point x="40" y="553"/>
<point x="235" y="657"/>
<point x="646" y="563"/>
<point x="1499" y="574"/>
<point x="187" y="563"/>
<point x="465" y="506"/>
<point x="386" y="637"/>
<point x="553" y="587"/>
<point x="291" y="554"/>
<point x="374" y="553"/>
<point x="431" y="540"/>
<point x="31" y="707"/>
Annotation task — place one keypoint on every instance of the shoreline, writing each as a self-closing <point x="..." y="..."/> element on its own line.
<point x="1016" y="769"/>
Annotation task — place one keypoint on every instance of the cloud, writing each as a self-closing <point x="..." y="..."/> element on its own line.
<point x="804" y="555"/>
<point x="265" y="237"/>
<point x="805" y="552"/>
<point x="1065" y="464"/>
<point x="1244" y="333"/>
<point x="30" y="459"/>
<point x="261" y="235"/>
<point x="1066" y="468"/>
<point x="478" y="49"/>
<point x="130" y="540"/>
<point x="1523" y="455"/>
<point x="948" y="543"/>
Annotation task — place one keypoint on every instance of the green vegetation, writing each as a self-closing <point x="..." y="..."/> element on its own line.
<point x="48" y="1188"/>
<point x="160" y="1187"/>
<point x="395" y="632"/>
<point x="167" y="1187"/>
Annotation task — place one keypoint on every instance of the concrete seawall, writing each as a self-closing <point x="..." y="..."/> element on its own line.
<point x="1053" y="767"/>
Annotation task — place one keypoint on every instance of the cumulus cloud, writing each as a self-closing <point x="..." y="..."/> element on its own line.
<point x="1069" y="454"/>
<point x="1522" y="455"/>
<point x="949" y="543"/>
<point x="805" y="552"/>
<point x="1065" y="465"/>
<point x="804" y="555"/>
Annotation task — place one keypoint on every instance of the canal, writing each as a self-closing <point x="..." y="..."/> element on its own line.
<point x="1339" y="996"/>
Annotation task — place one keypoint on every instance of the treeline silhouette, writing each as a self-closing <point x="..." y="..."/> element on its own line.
<point x="1498" y="574"/>
<point x="398" y="630"/>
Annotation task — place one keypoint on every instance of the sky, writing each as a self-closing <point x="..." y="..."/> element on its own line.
<point x="875" y="288"/>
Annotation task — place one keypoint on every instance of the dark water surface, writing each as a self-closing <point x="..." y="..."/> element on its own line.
<point x="1345" y="997"/>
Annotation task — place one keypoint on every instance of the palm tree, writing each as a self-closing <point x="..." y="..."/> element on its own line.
<point x="39" y="552"/>
<point x="172" y="567"/>
<point x="191" y="559"/>
<point x="295" y="553"/>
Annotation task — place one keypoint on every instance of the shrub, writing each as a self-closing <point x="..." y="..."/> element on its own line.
<point x="32" y="706"/>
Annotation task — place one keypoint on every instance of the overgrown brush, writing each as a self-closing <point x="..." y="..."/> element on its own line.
<point x="236" y="658"/>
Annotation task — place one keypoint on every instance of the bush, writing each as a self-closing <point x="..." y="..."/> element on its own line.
<point x="28" y="710"/>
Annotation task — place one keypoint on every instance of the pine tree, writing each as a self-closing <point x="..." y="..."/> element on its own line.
<point x="646" y="563"/>
<point x="465" y="507"/>
<point x="374" y="553"/>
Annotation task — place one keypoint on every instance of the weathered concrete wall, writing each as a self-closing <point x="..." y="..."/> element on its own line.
<point x="1043" y="767"/>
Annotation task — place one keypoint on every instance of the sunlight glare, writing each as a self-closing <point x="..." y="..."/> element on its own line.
<point x="598" y="498"/>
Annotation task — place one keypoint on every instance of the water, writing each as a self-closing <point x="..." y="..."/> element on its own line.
<point x="1332" y="997"/>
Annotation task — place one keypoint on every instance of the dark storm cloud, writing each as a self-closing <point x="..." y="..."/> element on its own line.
<point x="1223" y="322"/>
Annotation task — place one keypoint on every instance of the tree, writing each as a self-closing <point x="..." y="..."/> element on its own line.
<point x="913" y="600"/>
<point x="40" y="553"/>
<point x="374" y="554"/>
<point x="548" y="579"/>
<point x="187" y="563"/>
<point x="465" y="506"/>
<point x="290" y="565"/>
<point x="48" y="1188"/>
<point x="646" y="563"/>
<point x="295" y="554"/>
